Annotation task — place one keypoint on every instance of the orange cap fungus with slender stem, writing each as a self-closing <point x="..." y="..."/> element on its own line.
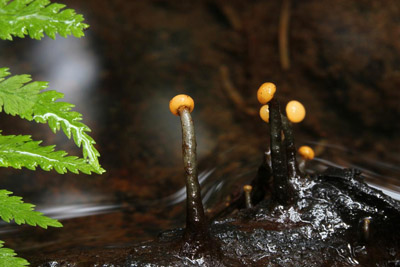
<point x="306" y="152"/>
<point x="266" y="92"/>
<point x="180" y="101"/>
<point x="295" y="111"/>
<point x="264" y="113"/>
<point x="247" y="188"/>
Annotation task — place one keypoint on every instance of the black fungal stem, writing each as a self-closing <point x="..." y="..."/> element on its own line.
<point x="195" y="219"/>
<point x="292" y="166"/>
<point x="260" y="185"/>
<point x="284" y="193"/>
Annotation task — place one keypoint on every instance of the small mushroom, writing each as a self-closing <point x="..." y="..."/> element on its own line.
<point x="266" y="92"/>
<point x="247" y="191"/>
<point x="196" y="223"/>
<point x="306" y="153"/>
<point x="295" y="111"/>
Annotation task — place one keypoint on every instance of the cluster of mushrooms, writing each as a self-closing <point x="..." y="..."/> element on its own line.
<point x="197" y="236"/>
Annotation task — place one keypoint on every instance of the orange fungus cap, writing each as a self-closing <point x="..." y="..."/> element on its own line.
<point x="180" y="101"/>
<point x="266" y="92"/>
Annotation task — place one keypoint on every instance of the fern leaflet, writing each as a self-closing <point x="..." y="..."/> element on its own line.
<point x="8" y="259"/>
<point x="13" y="208"/>
<point x="19" y="96"/>
<point x="20" y="151"/>
<point x="33" y="17"/>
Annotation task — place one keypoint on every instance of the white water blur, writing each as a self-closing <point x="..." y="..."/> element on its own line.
<point x="383" y="176"/>
<point x="65" y="212"/>
<point x="180" y="195"/>
<point x="366" y="173"/>
<point x="374" y="177"/>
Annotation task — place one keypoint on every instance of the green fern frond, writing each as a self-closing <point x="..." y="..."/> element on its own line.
<point x="16" y="96"/>
<point x="33" y="17"/>
<point x="59" y="115"/>
<point x="20" y="151"/>
<point x="19" y="96"/>
<point x="8" y="259"/>
<point x="13" y="208"/>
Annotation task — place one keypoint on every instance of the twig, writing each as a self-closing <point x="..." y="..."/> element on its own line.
<point x="283" y="33"/>
<point x="233" y="94"/>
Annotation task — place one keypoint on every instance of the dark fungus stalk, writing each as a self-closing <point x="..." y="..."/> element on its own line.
<point x="284" y="192"/>
<point x="283" y="150"/>
<point x="292" y="166"/>
<point x="295" y="113"/>
<point x="195" y="213"/>
<point x="196" y="223"/>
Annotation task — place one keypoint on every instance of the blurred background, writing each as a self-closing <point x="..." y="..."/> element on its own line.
<point x="340" y="58"/>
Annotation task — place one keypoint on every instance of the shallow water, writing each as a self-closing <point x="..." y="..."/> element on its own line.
<point x="126" y="229"/>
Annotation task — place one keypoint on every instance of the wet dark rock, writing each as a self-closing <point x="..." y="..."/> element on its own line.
<point x="323" y="228"/>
